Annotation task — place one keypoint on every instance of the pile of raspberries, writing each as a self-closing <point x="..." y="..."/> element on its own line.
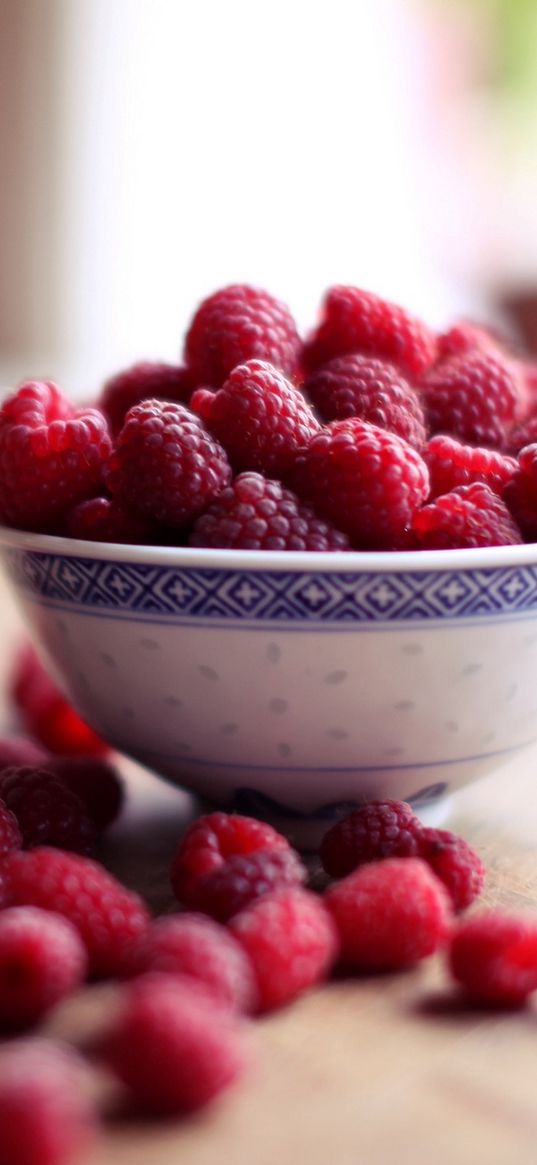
<point x="374" y="433"/>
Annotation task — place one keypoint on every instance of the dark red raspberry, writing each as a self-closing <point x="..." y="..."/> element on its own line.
<point x="143" y="381"/>
<point x="192" y="944"/>
<point x="389" y="914"/>
<point x="290" y="939"/>
<point x="259" y="416"/>
<point x="236" y="324"/>
<point x="474" y="397"/>
<point x="457" y="865"/>
<point x="105" y="520"/>
<point x="465" y="336"/>
<point x="254" y="513"/>
<point x="165" y="465"/>
<point x="47" y="812"/>
<point x="493" y="956"/>
<point x="366" y="481"/>
<point x="353" y="320"/>
<point x="42" y="960"/>
<point x="381" y="829"/>
<point x="244" y="878"/>
<point x="46" y="1116"/>
<point x="452" y="464"/>
<point x="372" y="389"/>
<point x="10" y="835"/>
<point x="212" y="840"/>
<point x="522" y="434"/>
<point x="18" y="750"/>
<point x="95" y="781"/>
<point x="51" y="456"/>
<point x="173" y="1046"/>
<point x="520" y="494"/>
<point x="471" y="515"/>
<point x="106" y="914"/>
<point x="46" y="713"/>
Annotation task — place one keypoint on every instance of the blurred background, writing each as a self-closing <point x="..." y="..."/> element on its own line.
<point x="152" y="150"/>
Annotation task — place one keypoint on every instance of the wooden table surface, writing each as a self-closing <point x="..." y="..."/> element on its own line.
<point x="363" y="1072"/>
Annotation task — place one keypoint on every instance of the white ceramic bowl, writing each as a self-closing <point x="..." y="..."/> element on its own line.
<point x="291" y="686"/>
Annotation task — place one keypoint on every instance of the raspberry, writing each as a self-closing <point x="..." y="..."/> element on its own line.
<point x="51" y="456"/>
<point x="211" y="841"/>
<point x="291" y="942"/>
<point x="143" y="381"/>
<point x="455" y="863"/>
<point x="381" y="829"/>
<point x="46" y="713"/>
<point x="236" y="324"/>
<point x="18" y="750"/>
<point x="494" y="957"/>
<point x="45" y="1113"/>
<point x="106" y="914"/>
<point x="95" y="781"/>
<point x="192" y="944"/>
<point x="362" y="386"/>
<point x="366" y="481"/>
<point x="465" y="336"/>
<point x="172" y="1046"/>
<point x="47" y="812"/>
<point x="165" y="465"/>
<point x="452" y="464"/>
<point x="103" y="520"/>
<point x="259" y="416"/>
<point x="42" y="960"/>
<point x="522" y="434"/>
<point x="244" y="878"/>
<point x="389" y="914"/>
<point x="520" y="494"/>
<point x="474" y="397"/>
<point x="10" y="835"/>
<point x="353" y="320"/>
<point x="256" y="514"/>
<point x="471" y="515"/>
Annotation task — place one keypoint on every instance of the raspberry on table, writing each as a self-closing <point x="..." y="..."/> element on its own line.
<point x="259" y="417"/>
<point x="452" y="464"/>
<point x="254" y="513"/>
<point x="374" y="390"/>
<point x="95" y="781"/>
<point x="210" y="841"/>
<point x="105" y="520"/>
<point x="47" y="812"/>
<point x="454" y="861"/>
<point x="146" y="380"/>
<point x="244" y="878"/>
<point x="46" y="1115"/>
<point x="380" y="829"/>
<point x="42" y="960"/>
<point x="236" y="324"/>
<point x="353" y="320"/>
<point x="10" y="834"/>
<point x="493" y="956"/>
<point x="166" y="466"/>
<point x="19" y="750"/>
<point x="470" y="515"/>
<point x="51" y="456"/>
<point x="46" y="713"/>
<point x="475" y="398"/>
<point x="106" y="914"/>
<point x="368" y="482"/>
<point x="389" y="914"/>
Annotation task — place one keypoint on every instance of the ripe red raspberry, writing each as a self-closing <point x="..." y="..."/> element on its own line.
<point x="245" y="878"/>
<point x="381" y="829"/>
<point x="471" y="515"/>
<point x="45" y="1113"/>
<point x="465" y="336"/>
<point x="173" y="1046"/>
<point x="212" y="840"/>
<point x="522" y="434"/>
<point x="143" y="381"/>
<point x="47" y="812"/>
<point x="45" y="712"/>
<point x="10" y="835"/>
<point x="254" y="513"/>
<point x="42" y="960"/>
<point x="452" y="464"/>
<point x="389" y="914"/>
<point x="366" y="481"/>
<point x="291" y="941"/>
<point x="18" y="750"/>
<point x="520" y="494"/>
<point x="51" y="456"/>
<point x="353" y="320"/>
<point x="95" y="781"/>
<point x="457" y="865"/>
<point x="236" y="324"/>
<point x="105" y="520"/>
<point x="192" y="944"/>
<point x="474" y="397"/>
<point x="106" y="914"/>
<point x="365" y="387"/>
<point x="165" y="465"/>
<point x="259" y="416"/>
<point x="494" y="958"/>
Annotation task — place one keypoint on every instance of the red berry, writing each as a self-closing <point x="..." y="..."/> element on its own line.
<point x="522" y="434"/>
<point x="520" y="494"/>
<point x="254" y="513"/>
<point x="353" y="320"/>
<point x="213" y="839"/>
<point x="42" y="960"/>
<point x="18" y="750"/>
<point x="105" y="520"/>
<point x="457" y="865"/>
<point x="381" y="829"/>
<point x="51" y="456"/>
<point x="95" y="781"/>
<point x="389" y="914"/>
<point x="493" y="956"/>
<point x="10" y="835"/>
<point x="465" y="336"/>
<point x="46" y="713"/>
<point x="165" y="465"/>
<point x="45" y="1112"/>
<point x="172" y="1046"/>
<point x="47" y="812"/>
<point x="365" y="387"/>
<point x="471" y="515"/>
<point x="236" y="324"/>
<point x="290" y="939"/>
<point x="452" y="464"/>
<point x="366" y="481"/>
<point x="260" y="418"/>
<point x="106" y="914"/>
<point x="244" y="878"/>
<point x="474" y="397"/>
<point x="143" y="381"/>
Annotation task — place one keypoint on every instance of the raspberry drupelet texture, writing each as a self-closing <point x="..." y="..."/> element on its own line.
<point x="365" y="480"/>
<point x="465" y="336"/>
<point x="10" y="834"/>
<point x="42" y="960"/>
<point x="47" y="812"/>
<point x="245" y="878"/>
<point x="51" y="456"/>
<point x="474" y="397"/>
<point x="166" y="466"/>
<point x="95" y="781"/>
<point x="210" y="841"/>
<point x="105" y="520"/>
<point x="452" y="464"/>
<point x="353" y="320"/>
<point x="457" y="865"/>
<point x="144" y="381"/>
<point x="381" y="829"/>
<point x="493" y="957"/>
<point x="46" y="1115"/>
<point x="520" y="494"/>
<point x="369" y="388"/>
<point x="522" y="434"/>
<point x="259" y="417"/>
<point x="254" y="513"/>
<point x="471" y="515"/>
<point x="236" y="324"/>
